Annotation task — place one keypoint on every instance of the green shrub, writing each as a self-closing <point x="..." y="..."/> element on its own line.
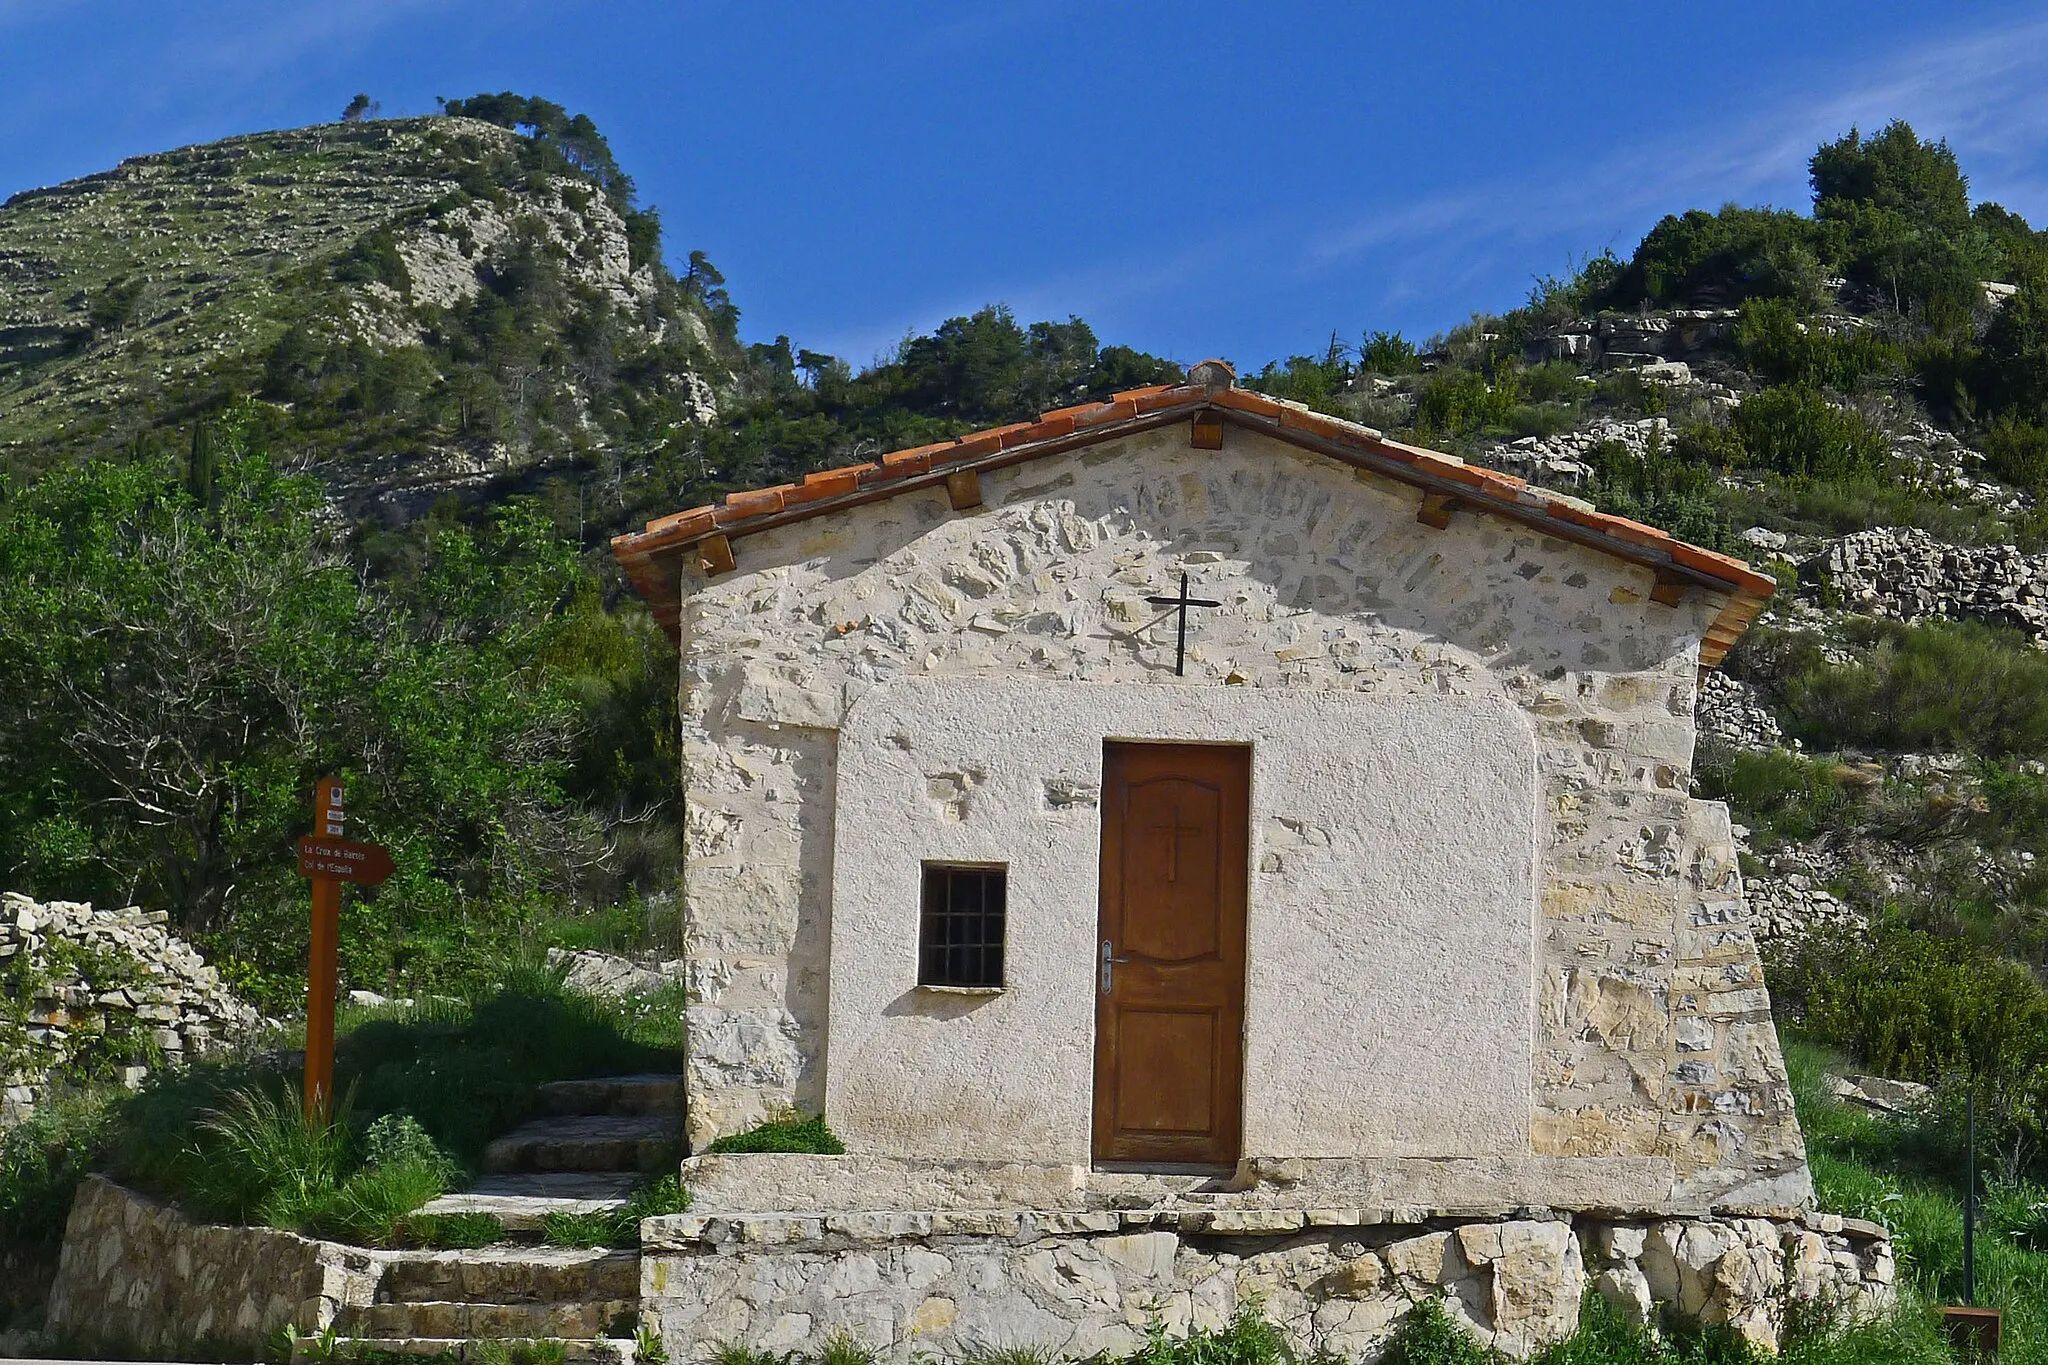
<point x="1938" y="686"/>
<point x="1387" y="353"/>
<point x="42" y="1160"/>
<point x="259" y="1158"/>
<point x="372" y="1205"/>
<point x="1724" y="257"/>
<point x="2017" y="452"/>
<point x="1249" y="1338"/>
<point x="1920" y="1007"/>
<point x="1428" y="1336"/>
<point x="1793" y="429"/>
<point x="1460" y="402"/>
<point x="1661" y="490"/>
<point x="1774" y="344"/>
<point x="1782" y="796"/>
<point x="2017" y="1210"/>
<point x="790" y="1133"/>
<point x="1707" y="444"/>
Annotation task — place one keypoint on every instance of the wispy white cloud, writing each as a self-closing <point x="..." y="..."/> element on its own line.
<point x="1987" y="92"/>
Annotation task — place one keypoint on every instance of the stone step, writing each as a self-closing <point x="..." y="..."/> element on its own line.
<point x="510" y="1275"/>
<point x="522" y="1201"/>
<point x="574" y="1350"/>
<point x="585" y="1142"/>
<point x="495" y="1321"/>
<point x="644" y="1094"/>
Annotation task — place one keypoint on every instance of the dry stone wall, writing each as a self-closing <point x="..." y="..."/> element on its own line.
<point x="1654" y="1036"/>
<point x="957" y="1285"/>
<point x="104" y="988"/>
<point x="135" y="1274"/>
<point x="1906" y="574"/>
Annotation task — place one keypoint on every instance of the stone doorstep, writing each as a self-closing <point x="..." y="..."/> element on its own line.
<point x="584" y="1142"/>
<point x="576" y="1351"/>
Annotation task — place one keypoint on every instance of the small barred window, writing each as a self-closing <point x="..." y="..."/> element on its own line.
<point x="960" y="941"/>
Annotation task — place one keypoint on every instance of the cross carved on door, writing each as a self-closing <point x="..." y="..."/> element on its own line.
<point x="1173" y="829"/>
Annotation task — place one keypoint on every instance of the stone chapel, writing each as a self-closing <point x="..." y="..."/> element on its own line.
<point x="1189" y="814"/>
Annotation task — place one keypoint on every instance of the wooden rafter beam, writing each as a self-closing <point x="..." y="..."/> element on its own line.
<point x="1436" y="509"/>
<point x="963" y="490"/>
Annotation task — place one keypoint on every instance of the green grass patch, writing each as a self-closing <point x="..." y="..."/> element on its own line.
<point x="423" y="1090"/>
<point x="619" y="1227"/>
<point x="790" y="1133"/>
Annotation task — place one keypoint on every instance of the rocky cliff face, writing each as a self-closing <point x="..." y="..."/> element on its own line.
<point x="429" y="308"/>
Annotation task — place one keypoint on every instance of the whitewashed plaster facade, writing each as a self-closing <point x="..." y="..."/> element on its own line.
<point x="1487" y="922"/>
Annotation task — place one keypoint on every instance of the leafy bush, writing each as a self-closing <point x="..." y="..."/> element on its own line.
<point x="790" y="1133"/>
<point x="1661" y="489"/>
<point x="1460" y="402"/>
<point x="1921" y="1007"/>
<point x="1940" y="686"/>
<point x="2017" y="452"/>
<point x="42" y="1160"/>
<point x="1387" y="353"/>
<point x="1793" y="429"/>
<point x="1774" y="344"/>
<point x="1782" y="796"/>
<point x="2017" y="1210"/>
<point x="1725" y="257"/>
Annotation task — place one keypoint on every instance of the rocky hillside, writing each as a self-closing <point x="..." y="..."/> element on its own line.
<point x="427" y="305"/>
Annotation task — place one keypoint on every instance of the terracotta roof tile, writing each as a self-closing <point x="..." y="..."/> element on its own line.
<point x="652" y="557"/>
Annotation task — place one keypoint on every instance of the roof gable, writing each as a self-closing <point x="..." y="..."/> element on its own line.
<point x="654" y="558"/>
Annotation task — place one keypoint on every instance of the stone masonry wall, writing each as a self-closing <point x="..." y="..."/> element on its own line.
<point x="957" y="1285"/>
<point x="136" y="1274"/>
<point x="1654" y="1038"/>
<point x="105" y="986"/>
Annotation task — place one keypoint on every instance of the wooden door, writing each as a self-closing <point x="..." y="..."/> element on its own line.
<point x="1169" y="971"/>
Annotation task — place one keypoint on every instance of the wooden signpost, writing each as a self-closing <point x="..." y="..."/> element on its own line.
<point x="327" y="860"/>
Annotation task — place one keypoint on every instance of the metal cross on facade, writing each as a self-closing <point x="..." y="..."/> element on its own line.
<point x="1182" y="602"/>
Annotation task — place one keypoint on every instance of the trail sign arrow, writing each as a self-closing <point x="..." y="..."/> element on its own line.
<point x="344" y="860"/>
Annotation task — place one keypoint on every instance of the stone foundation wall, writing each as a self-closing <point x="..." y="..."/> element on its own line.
<point x="137" y="1274"/>
<point x="1078" y="1283"/>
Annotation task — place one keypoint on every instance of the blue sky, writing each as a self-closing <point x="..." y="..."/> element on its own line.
<point x="1195" y="180"/>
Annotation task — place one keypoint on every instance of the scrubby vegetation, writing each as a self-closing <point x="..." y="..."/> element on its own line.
<point x="422" y="1089"/>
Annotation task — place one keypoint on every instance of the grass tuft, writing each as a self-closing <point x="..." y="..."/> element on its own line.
<point x="789" y="1133"/>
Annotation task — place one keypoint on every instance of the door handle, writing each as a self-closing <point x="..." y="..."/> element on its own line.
<point x="1109" y="961"/>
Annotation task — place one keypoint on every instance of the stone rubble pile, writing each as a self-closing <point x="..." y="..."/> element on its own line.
<point x="1561" y="460"/>
<point x="70" y="975"/>
<point x="1793" y="905"/>
<point x="1730" y="712"/>
<point x="1905" y="574"/>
